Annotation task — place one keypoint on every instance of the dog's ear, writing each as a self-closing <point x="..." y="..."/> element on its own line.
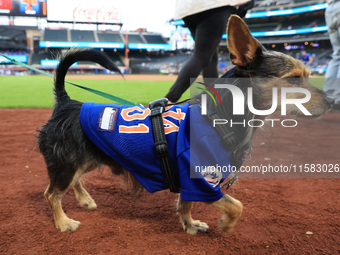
<point x="241" y="44"/>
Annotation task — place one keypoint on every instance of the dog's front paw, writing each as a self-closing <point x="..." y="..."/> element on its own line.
<point x="226" y="224"/>
<point x="196" y="227"/>
<point x="225" y="227"/>
<point x="67" y="225"/>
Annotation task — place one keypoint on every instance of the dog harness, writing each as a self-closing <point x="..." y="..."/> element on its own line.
<point x="157" y="107"/>
<point x="125" y="134"/>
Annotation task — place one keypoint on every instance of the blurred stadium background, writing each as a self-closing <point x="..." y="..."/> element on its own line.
<point x="36" y="31"/>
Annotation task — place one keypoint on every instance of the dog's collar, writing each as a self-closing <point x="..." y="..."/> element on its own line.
<point x="230" y="142"/>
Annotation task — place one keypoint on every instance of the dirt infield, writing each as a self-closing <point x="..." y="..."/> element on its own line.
<point x="281" y="216"/>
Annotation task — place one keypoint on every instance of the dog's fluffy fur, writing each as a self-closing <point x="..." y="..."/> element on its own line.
<point x="69" y="153"/>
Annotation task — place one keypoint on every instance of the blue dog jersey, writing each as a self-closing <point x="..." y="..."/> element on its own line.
<point x="125" y="134"/>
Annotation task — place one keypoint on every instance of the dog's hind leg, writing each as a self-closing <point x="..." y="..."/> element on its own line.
<point x="189" y="225"/>
<point x="83" y="197"/>
<point x="60" y="180"/>
<point x="232" y="209"/>
<point x="54" y="195"/>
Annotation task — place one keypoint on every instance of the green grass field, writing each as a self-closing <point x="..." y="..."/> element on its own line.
<point x="36" y="91"/>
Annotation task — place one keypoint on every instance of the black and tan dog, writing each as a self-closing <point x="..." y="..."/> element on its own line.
<point x="69" y="153"/>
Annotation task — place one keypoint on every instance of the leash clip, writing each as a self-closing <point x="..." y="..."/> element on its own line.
<point x="247" y="155"/>
<point x="158" y="106"/>
<point x="229" y="183"/>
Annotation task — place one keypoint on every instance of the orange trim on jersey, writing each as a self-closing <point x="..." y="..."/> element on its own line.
<point x="141" y="114"/>
<point x="169" y="127"/>
<point x="140" y="128"/>
<point x="178" y="115"/>
<point x="127" y="114"/>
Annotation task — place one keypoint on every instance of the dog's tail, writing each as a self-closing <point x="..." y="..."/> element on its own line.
<point x="71" y="57"/>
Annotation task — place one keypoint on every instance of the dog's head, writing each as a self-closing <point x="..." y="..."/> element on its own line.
<point x="272" y="69"/>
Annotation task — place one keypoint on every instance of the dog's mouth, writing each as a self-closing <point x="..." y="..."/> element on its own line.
<point x="314" y="114"/>
<point x="315" y="110"/>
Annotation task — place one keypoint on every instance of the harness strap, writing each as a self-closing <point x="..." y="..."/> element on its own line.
<point x="228" y="137"/>
<point x="157" y="107"/>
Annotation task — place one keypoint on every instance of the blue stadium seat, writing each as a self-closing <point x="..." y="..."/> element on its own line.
<point x="57" y="35"/>
<point x="82" y="36"/>
<point x="110" y="37"/>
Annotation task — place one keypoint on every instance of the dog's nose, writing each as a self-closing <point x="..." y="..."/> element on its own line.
<point x="329" y="101"/>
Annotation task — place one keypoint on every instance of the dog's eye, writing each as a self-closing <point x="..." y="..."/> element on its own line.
<point x="295" y="80"/>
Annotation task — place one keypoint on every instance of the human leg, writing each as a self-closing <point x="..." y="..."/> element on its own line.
<point x="209" y="28"/>
<point x="332" y="78"/>
<point x="210" y="71"/>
